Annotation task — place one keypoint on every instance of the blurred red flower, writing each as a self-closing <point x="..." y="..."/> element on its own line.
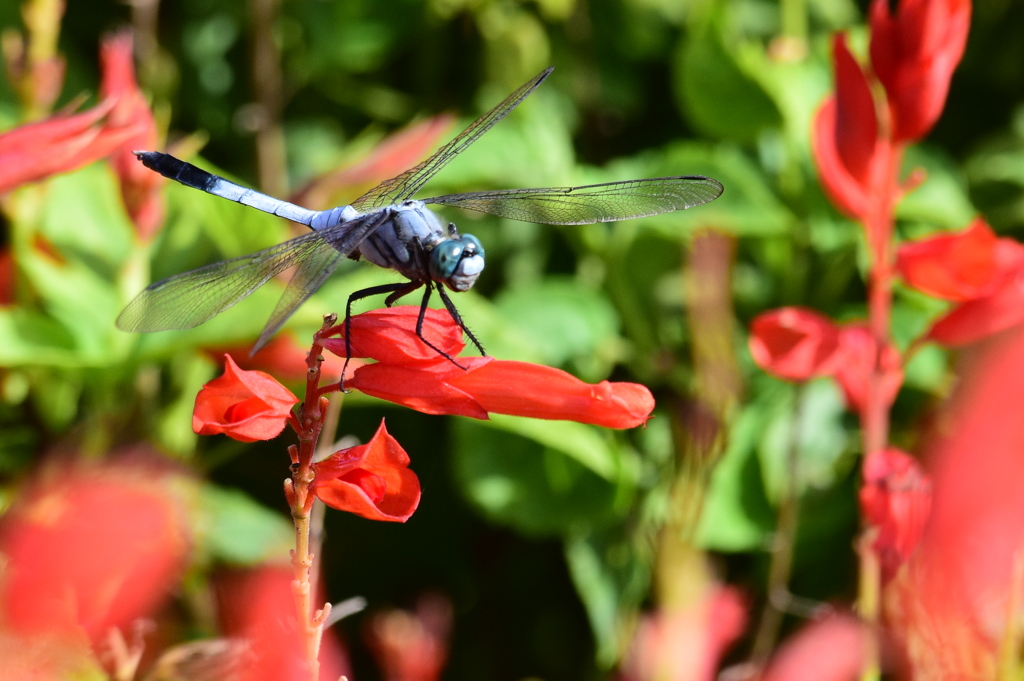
<point x="59" y="144"/>
<point x="371" y="480"/>
<point x="832" y="649"/>
<point x="974" y="268"/>
<point x="411" y="374"/>
<point x="91" y="547"/>
<point x="140" y="187"/>
<point x="845" y="140"/>
<point x="798" y="344"/>
<point x="895" y="499"/>
<point x="686" y="643"/>
<point x="258" y="607"/>
<point x="859" y="356"/>
<point x="794" y="343"/>
<point x="244" y="405"/>
<point x="411" y="646"/>
<point x="914" y="54"/>
<point x="282" y="357"/>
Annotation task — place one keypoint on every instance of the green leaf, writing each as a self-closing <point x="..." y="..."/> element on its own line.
<point x="736" y="515"/>
<point x="710" y="85"/>
<point x="942" y="199"/>
<point x="236" y="529"/>
<point x="560" y="318"/>
<point x="612" y="577"/>
<point x="536" y="480"/>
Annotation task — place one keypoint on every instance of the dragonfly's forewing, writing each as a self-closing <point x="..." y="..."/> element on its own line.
<point x="585" y="205"/>
<point x="189" y="299"/>
<point x="403" y="186"/>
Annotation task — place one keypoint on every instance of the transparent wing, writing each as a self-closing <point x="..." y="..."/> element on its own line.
<point x="312" y="272"/>
<point x="403" y="186"/>
<point x="585" y="205"/>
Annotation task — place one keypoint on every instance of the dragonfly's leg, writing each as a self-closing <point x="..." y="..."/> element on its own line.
<point x="419" y="328"/>
<point x="450" y="306"/>
<point x="401" y="288"/>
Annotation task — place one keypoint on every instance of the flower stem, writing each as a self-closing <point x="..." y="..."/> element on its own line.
<point x="308" y="423"/>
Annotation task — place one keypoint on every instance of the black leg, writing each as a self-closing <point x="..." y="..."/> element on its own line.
<point x="419" y="329"/>
<point x="450" y="306"/>
<point x="396" y="290"/>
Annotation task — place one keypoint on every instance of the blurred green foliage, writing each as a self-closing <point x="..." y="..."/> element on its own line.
<point x="514" y="511"/>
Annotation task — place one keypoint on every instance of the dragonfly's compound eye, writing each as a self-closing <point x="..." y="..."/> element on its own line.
<point x="472" y="245"/>
<point x="445" y="258"/>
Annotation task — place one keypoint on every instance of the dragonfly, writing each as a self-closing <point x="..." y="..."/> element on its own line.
<point x="388" y="228"/>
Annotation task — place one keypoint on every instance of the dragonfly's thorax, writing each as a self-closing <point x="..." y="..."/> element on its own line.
<point x="394" y="244"/>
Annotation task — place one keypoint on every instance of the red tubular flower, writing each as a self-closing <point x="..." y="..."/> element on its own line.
<point x="57" y="145"/>
<point x="371" y="480"/>
<point x="914" y="54"/>
<point x="794" y="343"/>
<point x="832" y="649"/>
<point x="895" y="498"/>
<point x="93" y="548"/>
<point x="411" y="374"/>
<point x="412" y="646"/>
<point x="140" y="187"/>
<point x="857" y="358"/>
<point x="845" y="139"/>
<point x="961" y="266"/>
<point x="257" y="607"/>
<point x="981" y="272"/>
<point x="244" y="405"/>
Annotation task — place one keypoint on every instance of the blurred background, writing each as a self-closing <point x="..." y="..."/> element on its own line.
<point x="548" y="538"/>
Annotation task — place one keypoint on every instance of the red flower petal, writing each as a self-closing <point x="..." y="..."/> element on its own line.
<point x="412" y="646"/>
<point x="857" y="357"/>
<point x="976" y="319"/>
<point x="845" y="140"/>
<point x="389" y="335"/>
<point x="541" y="392"/>
<point x="56" y="145"/>
<point x="140" y="187"/>
<point x="371" y="480"/>
<point x="424" y="387"/>
<point x="794" y="343"/>
<point x="832" y="649"/>
<point x="895" y="498"/>
<point x="244" y="405"/>
<point x="91" y="547"/>
<point x="914" y="54"/>
<point x="961" y="266"/>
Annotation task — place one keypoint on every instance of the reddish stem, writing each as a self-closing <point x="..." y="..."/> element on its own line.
<point x="308" y="421"/>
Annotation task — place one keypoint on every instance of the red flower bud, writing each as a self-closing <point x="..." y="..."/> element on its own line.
<point x="895" y="498"/>
<point x="914" y="54"/>
<point x="371" y="480"/>
<point x="244" y="405"/>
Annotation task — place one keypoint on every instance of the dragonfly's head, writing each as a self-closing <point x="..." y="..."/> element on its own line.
<point x="457" y="261"/>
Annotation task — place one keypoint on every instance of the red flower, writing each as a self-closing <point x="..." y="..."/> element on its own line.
<point x="394" y="155"/>
<point x="832" y="649"/>
<point x="282" y="357"/>
<point x="93" y="548"/>
<point x="794" y="343"/>
<point x="258" y="607"/>
<point x="57" y="145"/>
<point x="412" y="646"/>
<point x="914" y="54"/>
<point x="244" y="405"/>
<point x="895" y="499"/>
<point x="371" y="480"/>
<point x="845" y="138"/>
<point x="798" y="344"/>
<point x="411" y="374"/>
<point x="685" y="643"/>
<point x="960" y="266"/>
<point x="984" y="274"/>
<point x="140" y="187"/>
<point x="858" y="357"/>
